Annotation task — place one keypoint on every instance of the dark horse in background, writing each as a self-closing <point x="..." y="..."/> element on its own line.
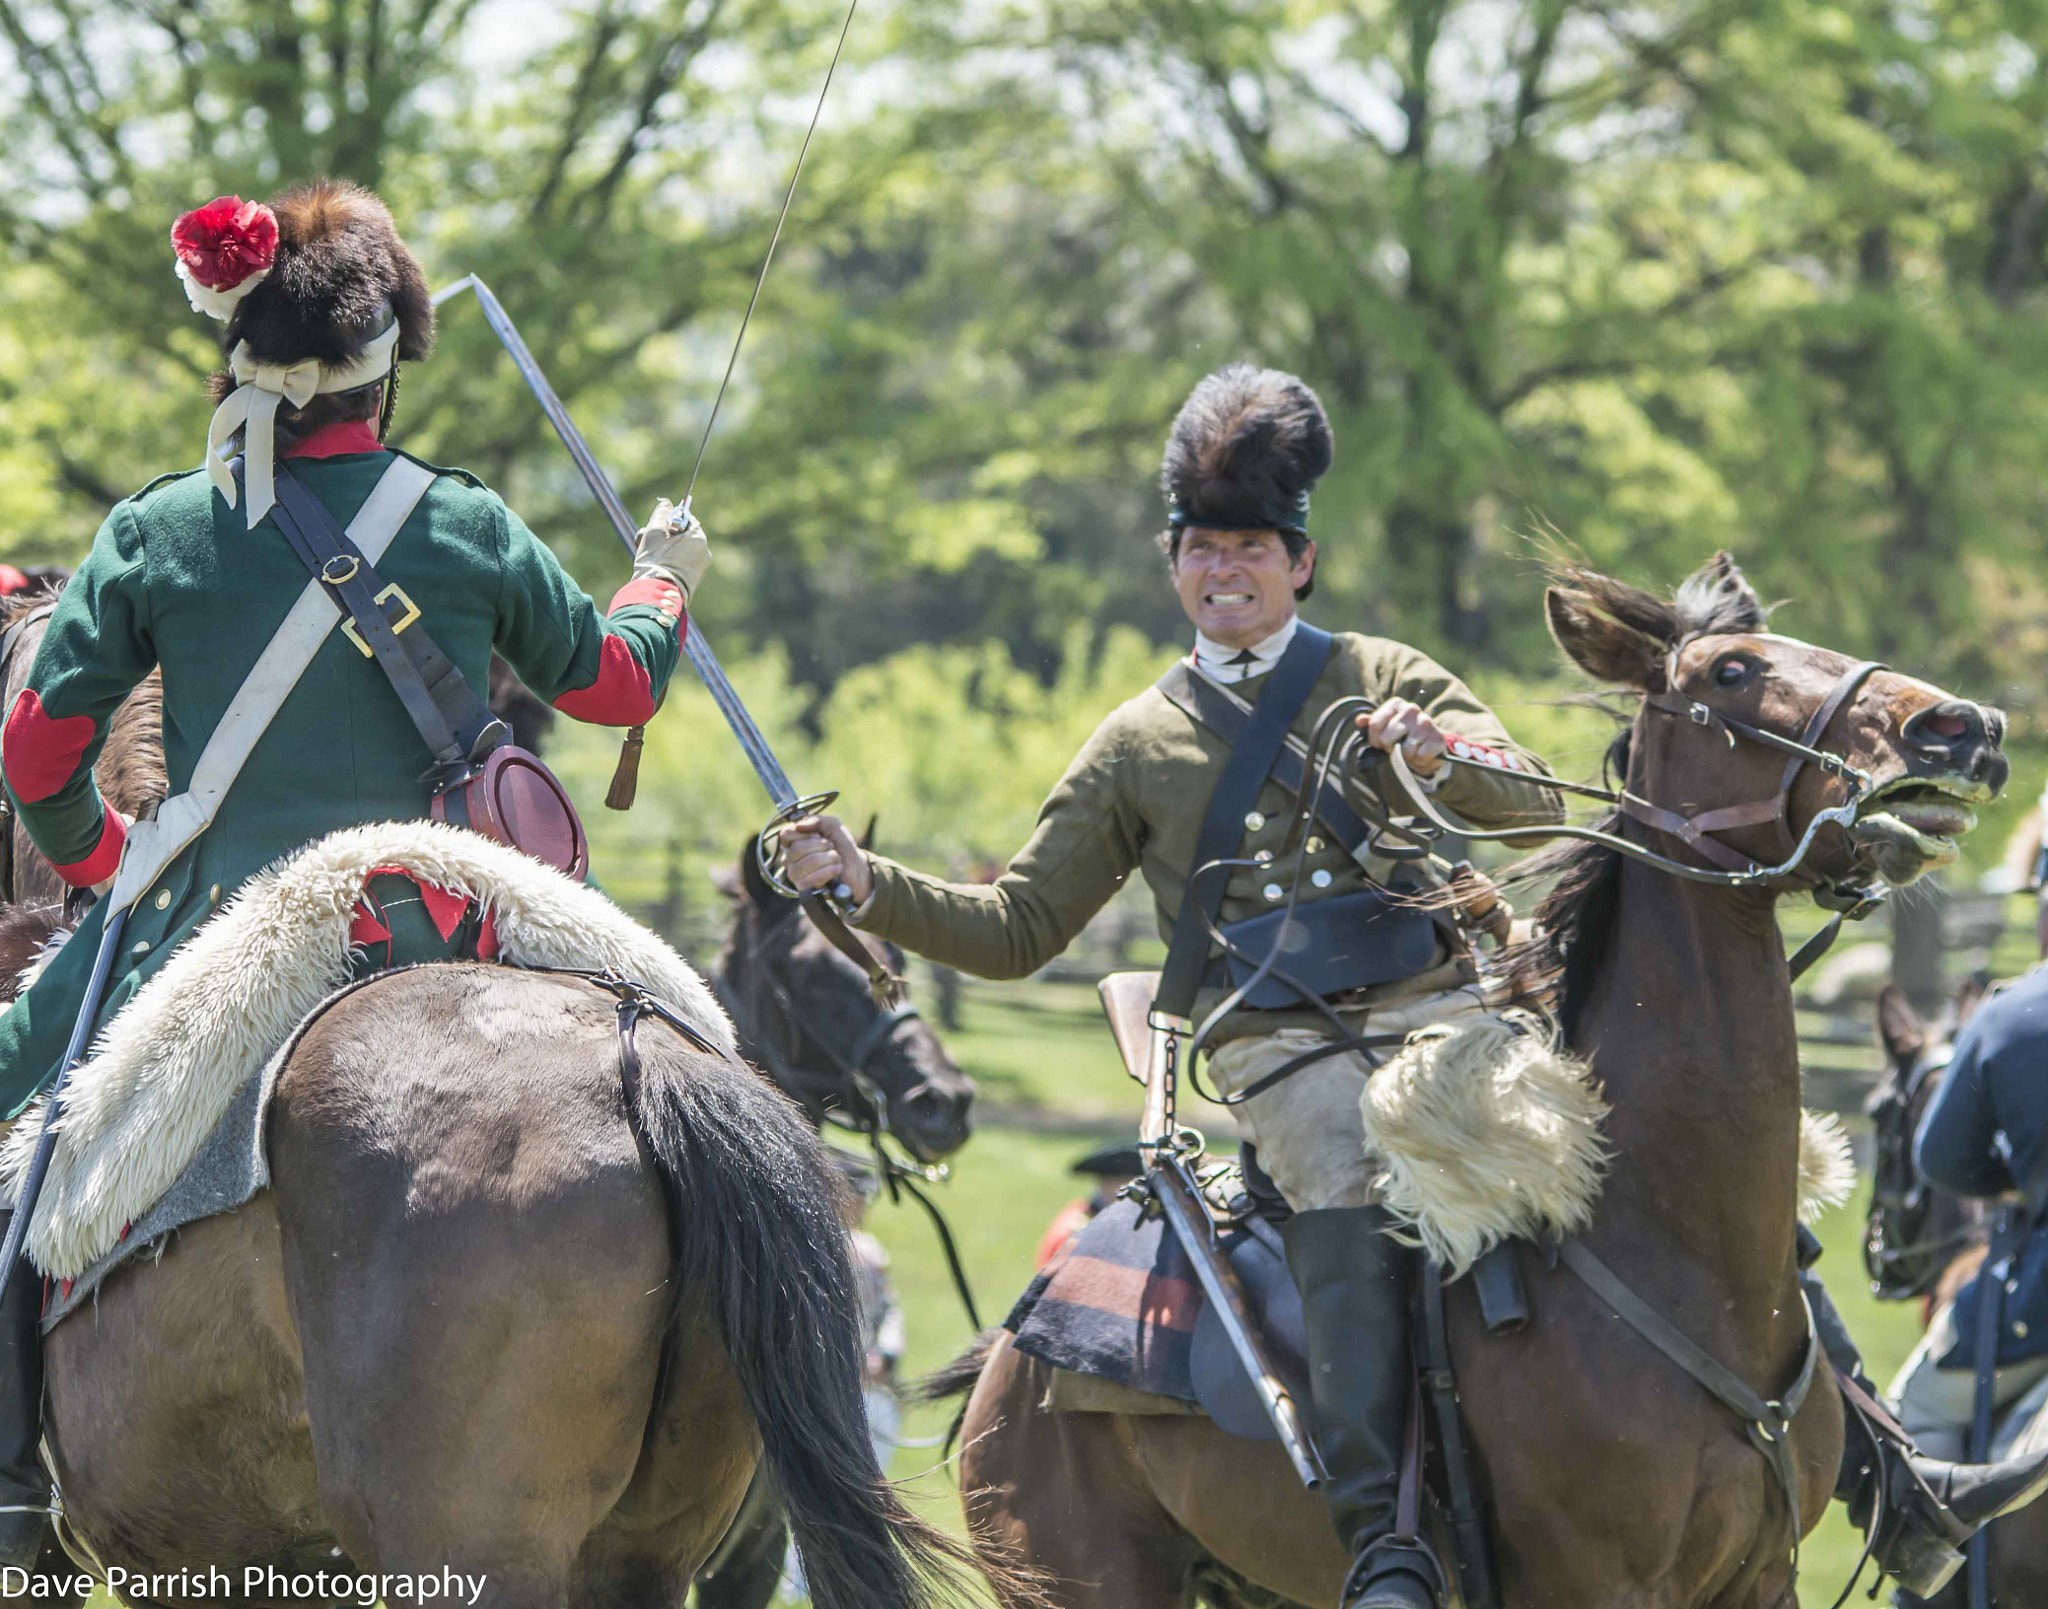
<point x="503" y="1309"/>
<point x="1614" y="1481"/>
<point x="807" y="1017"/>
<point x="1923" y="1243"/>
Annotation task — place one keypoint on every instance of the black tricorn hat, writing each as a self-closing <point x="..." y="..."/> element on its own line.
<point x="1245" y="449"/>
<point x="339" y="265"/>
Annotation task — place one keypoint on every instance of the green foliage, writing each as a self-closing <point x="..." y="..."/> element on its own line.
<point x="1693" y="275"/>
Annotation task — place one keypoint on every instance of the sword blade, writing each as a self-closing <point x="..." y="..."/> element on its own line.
<point x="753" y="742"/>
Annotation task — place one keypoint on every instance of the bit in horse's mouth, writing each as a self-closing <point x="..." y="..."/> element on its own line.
<point x="1923" y="816"/>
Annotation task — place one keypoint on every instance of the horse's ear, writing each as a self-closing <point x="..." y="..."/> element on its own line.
<point x="1899" y="1028"/>
<point x="1602" y="644"/>
<point x="753" y="886"/>
<point x="867" y="839"/>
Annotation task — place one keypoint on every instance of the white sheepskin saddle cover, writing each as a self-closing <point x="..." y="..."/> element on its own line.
<point x="164" y="1071"/>
<point x="1484" y="1132"/>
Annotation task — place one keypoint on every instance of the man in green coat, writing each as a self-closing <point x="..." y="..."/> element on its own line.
<point x="1240" y="461"/>
<point x="190" y="576"/>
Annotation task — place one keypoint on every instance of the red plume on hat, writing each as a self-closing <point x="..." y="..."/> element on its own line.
<point x="225" y="250"/>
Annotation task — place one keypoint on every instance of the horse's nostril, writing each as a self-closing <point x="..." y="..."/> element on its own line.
<point x="1945" y="726"/>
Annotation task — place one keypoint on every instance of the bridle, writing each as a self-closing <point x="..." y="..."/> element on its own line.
<point x="1849" y="899"/>
<point x="1731" y="868"/>
<point x="1901" y="1200"/>
<point x="847" y="1095"/>
<point x="843" y="1093"/>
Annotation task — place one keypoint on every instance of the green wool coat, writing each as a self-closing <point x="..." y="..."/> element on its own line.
<point x="1134" y="799"/>
<point x="176" y="580"/>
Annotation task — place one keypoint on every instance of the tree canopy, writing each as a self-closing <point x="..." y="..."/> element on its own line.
<point x="1646" y="280"/>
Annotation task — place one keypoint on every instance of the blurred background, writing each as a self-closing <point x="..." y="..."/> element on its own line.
<point x="1650" y="279"/>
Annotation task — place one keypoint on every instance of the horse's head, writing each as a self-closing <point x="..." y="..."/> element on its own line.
<point x="1913" y="1231"/>
<point x="1715" y="762"/>
<point x="805" y="1013"/>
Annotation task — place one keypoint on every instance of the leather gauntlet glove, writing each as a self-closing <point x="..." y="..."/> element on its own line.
<point x="673" y="547"/>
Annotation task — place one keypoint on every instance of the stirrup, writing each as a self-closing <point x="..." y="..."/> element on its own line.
<point x="1417" y="1558"/>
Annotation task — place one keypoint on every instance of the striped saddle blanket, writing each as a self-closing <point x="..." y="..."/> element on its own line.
<point x="1123" y="1304"/>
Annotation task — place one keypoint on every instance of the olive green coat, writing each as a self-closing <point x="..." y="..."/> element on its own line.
<point x="1133" y="800"/>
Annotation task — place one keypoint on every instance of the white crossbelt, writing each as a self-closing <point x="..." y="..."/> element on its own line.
<point x="154" y="844"/>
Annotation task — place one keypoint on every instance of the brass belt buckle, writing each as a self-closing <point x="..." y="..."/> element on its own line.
<point x="411" y="612"/>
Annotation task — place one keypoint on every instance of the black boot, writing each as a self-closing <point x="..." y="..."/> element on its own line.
<point x="1925" y="1509"/>
<point x="1354" y="1289"/>
<point x="24" y="1488"/>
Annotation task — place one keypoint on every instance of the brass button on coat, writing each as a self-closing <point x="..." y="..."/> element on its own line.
<point x="163" y="899"/>
<point x="1254" y="821"/>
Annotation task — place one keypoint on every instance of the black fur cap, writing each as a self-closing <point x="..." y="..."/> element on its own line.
<point x="1245" y="449"/>
<point x="339" y="262"/>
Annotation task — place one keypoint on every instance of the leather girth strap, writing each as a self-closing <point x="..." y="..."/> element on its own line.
<point x="1244" y="773"/>
<point x="1767" y="1424"/>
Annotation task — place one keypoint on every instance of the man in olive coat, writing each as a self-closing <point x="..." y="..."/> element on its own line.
<point x="1243" y="455"/>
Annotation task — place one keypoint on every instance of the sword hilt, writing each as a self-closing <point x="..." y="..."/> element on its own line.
<point x="768" y="855"/>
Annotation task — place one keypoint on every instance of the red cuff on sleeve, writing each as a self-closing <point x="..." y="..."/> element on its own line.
<point x="651" y="589"/>
<point x="622" y="695"/>
<point x="105" y="857"/>
<point x="40" y="754"/>
<point x="1466" y="748"/>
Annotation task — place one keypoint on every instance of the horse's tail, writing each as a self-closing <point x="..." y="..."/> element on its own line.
<point x="757" y="1231"/>
<point x="955" y="1379"/>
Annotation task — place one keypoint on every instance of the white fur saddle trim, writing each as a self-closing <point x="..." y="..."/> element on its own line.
<point x="166" y="1069"/>
<point x="1484" y="1134"/>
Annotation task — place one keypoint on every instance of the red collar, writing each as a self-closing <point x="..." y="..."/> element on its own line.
<point x="330" y="441"/>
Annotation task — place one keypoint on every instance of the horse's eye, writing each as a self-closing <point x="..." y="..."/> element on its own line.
<point x="1731" y="672"/>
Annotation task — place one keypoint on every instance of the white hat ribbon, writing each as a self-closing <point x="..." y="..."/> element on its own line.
<point x="252" y="409"/>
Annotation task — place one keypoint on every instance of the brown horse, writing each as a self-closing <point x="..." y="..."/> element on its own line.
<point x="510" y="1308"/>
<point x="1613" y="1479"/>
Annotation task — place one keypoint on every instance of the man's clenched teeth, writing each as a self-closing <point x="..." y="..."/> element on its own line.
<point x="1228" y="598"/>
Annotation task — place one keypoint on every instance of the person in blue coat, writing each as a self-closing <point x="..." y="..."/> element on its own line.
<point x="1986" y="1133"/>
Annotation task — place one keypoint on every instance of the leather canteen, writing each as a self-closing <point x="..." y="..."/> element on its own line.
<point x="516" y="800"/>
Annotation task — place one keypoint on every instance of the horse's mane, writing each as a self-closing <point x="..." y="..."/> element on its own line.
<point x="40" y="590"/>
<point x="1574" y="920"/>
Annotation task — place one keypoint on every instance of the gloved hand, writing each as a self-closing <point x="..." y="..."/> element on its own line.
<point x="672" y="547"/>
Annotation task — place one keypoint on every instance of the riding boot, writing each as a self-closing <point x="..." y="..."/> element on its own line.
<point x="1353" y="1282"/>
<point x="24" y="1488"/>
<point x="1924" y="1509"/>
